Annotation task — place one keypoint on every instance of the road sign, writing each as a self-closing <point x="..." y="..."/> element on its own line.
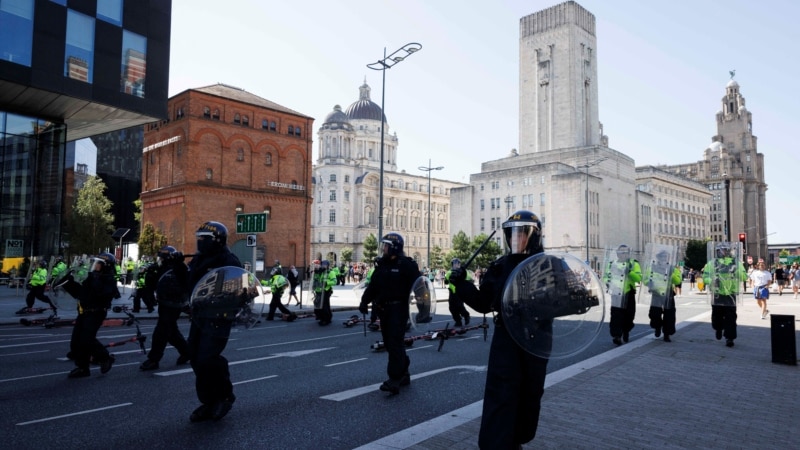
<point x="251" y="223"/>
<point x="251" y="240"/>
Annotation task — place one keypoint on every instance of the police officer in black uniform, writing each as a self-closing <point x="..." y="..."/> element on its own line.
<point x="388" y="291"/>
<point x="94" y="296"/>
<point x="209" y="335"/>
<point x="515" y="378"/>
<point x="173" y="300"/>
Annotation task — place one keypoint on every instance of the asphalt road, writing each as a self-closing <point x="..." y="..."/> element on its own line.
<point x="298" y="385"/>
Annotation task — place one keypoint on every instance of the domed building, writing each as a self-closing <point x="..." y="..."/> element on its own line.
<point x="346" y="187"/>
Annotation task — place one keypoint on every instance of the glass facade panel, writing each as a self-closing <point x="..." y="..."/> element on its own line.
<point x="80" y="47"/>
<point x="134" y="67"/>
<point x="31" y="185"/>
<point x="16" y="31"/>
<point x="110" y="11"/>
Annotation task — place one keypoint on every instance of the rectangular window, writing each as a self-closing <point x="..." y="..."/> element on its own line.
<point x="134" y="63"/>
<point x="483" y="204"/>
<point x="110" y="11"/>
<point x="331" y="238"/>
<point x="16" y="31"/>
<point x="347" y="196"/>
<point x="332" y="216"/>
<point x="332" y="196"/>
<point x="79" y="49"/>
<point x="541" y="199"/>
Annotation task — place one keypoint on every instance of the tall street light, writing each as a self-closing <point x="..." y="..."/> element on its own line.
<point x="587" y="166"/>
<point x="429" y="169"/>
<point x="382" y="64"/>
<point x="509" y="200"/>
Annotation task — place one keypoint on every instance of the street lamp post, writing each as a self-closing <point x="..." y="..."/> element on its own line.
<point x="727" y="207"/>
<point x="509" y="200"/>
<point x="587" y="166"/>
<point x="429" y="169"/>
<point x="382" y="64"/>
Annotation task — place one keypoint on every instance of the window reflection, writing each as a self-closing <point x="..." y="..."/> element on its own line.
<point x="110" y="11"/>
<point x="80" y="46"/>
<point x="16" y="31"/>
<point x="134" y="68"/>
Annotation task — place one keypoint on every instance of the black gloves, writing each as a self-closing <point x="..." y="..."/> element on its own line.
<point x="363" y="308"/>
<point x="457" y="275"/>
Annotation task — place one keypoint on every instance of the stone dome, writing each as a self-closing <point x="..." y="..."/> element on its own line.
<point x="732" y="83"/>
<point x="336" y="116"/>
<point x="364" y="108"/>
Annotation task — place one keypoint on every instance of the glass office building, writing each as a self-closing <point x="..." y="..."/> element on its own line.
<point x="69" y="69"/>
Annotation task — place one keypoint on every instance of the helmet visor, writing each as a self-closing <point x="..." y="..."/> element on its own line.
<point x="518" y="234"/>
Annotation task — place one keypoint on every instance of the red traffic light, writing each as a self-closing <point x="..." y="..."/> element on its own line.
<point x="742" y="237"/>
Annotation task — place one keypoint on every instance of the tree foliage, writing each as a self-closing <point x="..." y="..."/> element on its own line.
<point x="696" y="254"/>
<point x="370" y="248"/>
<point x="151" y="240"/>
<point x="347" y="254"/>
<point x="464" y="248"/>
<point x="92" y="223"/>
<point x="137" y="212"/>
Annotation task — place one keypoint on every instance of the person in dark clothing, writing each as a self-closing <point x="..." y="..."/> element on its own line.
<point x="722" y="274"/>
<point x="659" y="279"/>
<point x="389" y="290"/>
<point x="94" y="297"/>
<point x="454" y="302"/>
<point x="322" y="283"/>
<point x="173" y="301"/>
<point x="208" y="334"/>
<point x="294" y="280"/>
<point x="515" y="378"/>
<point x="146" y="290"/>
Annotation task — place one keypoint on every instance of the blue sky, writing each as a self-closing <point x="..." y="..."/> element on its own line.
<point x="662" y="71"/>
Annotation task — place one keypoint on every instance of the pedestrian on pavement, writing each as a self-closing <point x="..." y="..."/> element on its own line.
<point x="621" y="276"/>
<point x="760" y="279"/>
<point x="323" y="281"/>
<point x="277" y="285"/>
<point x="660" y="278"/>
<point x="780" y="278"/>
<point x="515" y="378"/>
<point x="795" y="277"/>
<point x="209" y="333"/>
<point x="294" y="280"/>
<point x="94" y="297"/>
<point x="723" y="275"/>
<point x="36" y="288"/>
<point x="692" y="279"/>
<point x="172" y="300"/>
<point x="454" y="302"/>
<point x="389" y="291"/>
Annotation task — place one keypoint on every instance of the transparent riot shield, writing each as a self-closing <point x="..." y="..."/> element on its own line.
<point x="358" y="290"/>
<point x="724" y="274"/>
<point x="616" y="266"/>
<point x="317" y="287"/>
<point x="227" y="293"/>
<point x="657" y="267"/>
<point x="422" y="304"/>
<point x="553" y="305"/>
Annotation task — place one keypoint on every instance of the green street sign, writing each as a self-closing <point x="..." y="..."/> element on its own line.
<point x="251" y="223"/>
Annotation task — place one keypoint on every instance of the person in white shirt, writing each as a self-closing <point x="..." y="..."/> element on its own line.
<point x="761" y="278"/>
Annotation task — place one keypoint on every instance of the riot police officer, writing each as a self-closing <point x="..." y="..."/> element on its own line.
<point x="515" y="378"/>
<point x="388" y="291"/>
<point x="209" y="335"/>
<point x="622" y="275"/>
<point x="37" y="287"/>
<point x="723" y="274"/>
<point x="172" y="300"/>
<point x="454" y="302"/>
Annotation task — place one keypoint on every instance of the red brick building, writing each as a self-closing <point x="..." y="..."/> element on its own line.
<point x="222" y="152"/>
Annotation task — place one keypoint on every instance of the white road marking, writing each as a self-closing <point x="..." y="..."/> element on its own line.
<point x="46" y="419"/>
<point x="245" y="361"/>
<point x="344" y="362"/>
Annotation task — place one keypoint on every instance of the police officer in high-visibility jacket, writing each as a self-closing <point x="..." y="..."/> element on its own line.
<point x="723" y="274"/>
<point x="36" y="286"/>
<point x="277" y="284"/>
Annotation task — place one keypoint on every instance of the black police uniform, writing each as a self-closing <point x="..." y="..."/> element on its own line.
<point x="208" y="337"/>
<point x="389" y="290"/>
<point x="515" y="378"/>
<point x="173" y="300"/>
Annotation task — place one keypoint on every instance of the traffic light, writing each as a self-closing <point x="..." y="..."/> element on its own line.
<point x="743" y="240"/>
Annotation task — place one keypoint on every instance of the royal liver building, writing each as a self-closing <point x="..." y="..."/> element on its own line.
<point x="346" y="180"/>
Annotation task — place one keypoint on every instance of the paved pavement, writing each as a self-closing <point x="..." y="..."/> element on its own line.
<point x="691" y="393"/>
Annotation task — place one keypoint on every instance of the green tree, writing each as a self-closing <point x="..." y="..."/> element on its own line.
<point x="489" y="253"/>
<point x="137" y="213"/>
<point x="696" y="254"/>
<point x="370" y="248"/>
<point x="347" y="254"/>
<point x="151" y="240"/>
<point x="92" y="223"/>
<point x="461" y="248"/>
<point x="437" y="257"/>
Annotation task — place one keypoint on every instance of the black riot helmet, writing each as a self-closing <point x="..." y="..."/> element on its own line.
<point x="43" y="263"/>
<point x="455" y="263"/>
<point x="211" y="238"/>
<point x="107" y="260"/>
<point x="522" y="233"/>
<point x="392" y="244"/>
<point x="723" y="250"/>
<point x="163" y="255"/>
<point x="662" y="257"/>
<point x="623" y="252"/>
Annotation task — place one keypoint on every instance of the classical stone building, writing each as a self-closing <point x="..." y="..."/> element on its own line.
<point x="733" y="169"/>
<point x="225" y="151"/>
<point x="673" y="209"/>
<point x="564" y="171"/>
<point x="347" y="188"/>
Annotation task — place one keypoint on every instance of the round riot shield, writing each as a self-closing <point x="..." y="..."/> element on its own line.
<point x="250" y="315"/>
<point x="553" y="305"/>
<point x="358" y="290"/>
<point x="422" y="303"/>
<point x="227" y="293"/>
